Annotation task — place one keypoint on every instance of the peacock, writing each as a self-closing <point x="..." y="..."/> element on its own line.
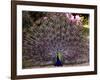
<point x="58" y="59"/>
<point x="53" y="39"/>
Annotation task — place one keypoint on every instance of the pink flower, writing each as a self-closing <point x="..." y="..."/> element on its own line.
<point x="67" y="15"/>
<point x="72" y="17"/>
<point x="77" y="17"/>
<point x="45" y="17"/>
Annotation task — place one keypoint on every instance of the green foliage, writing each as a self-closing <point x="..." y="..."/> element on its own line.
<point x="85" y="19"/>
<point x="85" y="31"/>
